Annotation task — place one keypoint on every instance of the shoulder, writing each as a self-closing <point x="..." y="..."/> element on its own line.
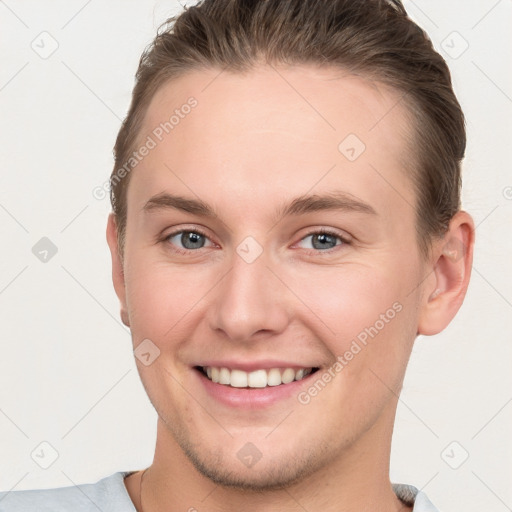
<point x="108" y="495"/>
<point x="411" y="496"/>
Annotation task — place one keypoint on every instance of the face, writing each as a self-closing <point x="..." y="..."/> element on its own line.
<point x="271" y="244"/>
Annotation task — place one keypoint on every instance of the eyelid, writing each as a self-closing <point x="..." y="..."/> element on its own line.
<point x="344" y="238"/>
<point x="184" y="229"/>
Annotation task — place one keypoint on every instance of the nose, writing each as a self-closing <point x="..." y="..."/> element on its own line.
<point x="250" y="301"/>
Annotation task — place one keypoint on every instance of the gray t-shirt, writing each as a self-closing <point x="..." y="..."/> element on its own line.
<point x="110" y="495"/>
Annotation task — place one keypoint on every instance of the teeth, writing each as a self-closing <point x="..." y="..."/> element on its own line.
<point x="224" y="376"/>
<point x="256" y="379"/>
<point x="238" y="378"/>
<point x="274" y="377"/>
<point x="288" y="376"/>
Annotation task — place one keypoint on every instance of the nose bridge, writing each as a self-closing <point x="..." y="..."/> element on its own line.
<point x="249" y="300"/>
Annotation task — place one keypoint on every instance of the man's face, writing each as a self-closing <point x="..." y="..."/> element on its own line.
<point x="257" y="286"/>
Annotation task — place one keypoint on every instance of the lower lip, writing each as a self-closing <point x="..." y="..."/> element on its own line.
<point x="252" y="398"/>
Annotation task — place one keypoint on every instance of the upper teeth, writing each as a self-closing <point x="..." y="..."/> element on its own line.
<point x="255" y="379"/>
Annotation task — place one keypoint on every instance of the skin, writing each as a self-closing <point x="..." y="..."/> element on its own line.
<point x="253" y="143"/>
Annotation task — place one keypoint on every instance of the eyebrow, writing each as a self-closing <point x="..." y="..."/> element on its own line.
<point x="337" y="200"/>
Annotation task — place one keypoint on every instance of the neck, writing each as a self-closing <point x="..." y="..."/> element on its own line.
<point x="357" y="479"/>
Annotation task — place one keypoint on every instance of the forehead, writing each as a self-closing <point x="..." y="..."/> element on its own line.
<point x="331" y="101"/>
<point x="273" y="128"/>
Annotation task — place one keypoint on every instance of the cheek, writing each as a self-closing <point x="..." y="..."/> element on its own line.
<point x="348" y="298"/>
<point x="373" y="320"/>
<point x="163" y="298"/>
<point x="363" y="314"/>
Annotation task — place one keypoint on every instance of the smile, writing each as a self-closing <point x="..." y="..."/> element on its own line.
<point x="262" y="378"/>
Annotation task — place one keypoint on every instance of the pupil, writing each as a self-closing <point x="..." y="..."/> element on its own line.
<point x="324" y="238"/>
<point x="192" y="240"/>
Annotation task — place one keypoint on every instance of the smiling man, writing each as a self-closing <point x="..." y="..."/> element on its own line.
<point x="286" y="220"/>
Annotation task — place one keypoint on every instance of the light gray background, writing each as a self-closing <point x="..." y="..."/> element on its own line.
<point x="67" y="373"/>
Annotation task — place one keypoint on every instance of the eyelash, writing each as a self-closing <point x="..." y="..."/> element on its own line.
<point x="321" y="231"/>
<point x="325" y="231"/>
<point x="174" y="233"/>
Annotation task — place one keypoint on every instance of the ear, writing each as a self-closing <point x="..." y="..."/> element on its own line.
<point x="446" y="287"/>
<point x="117" y="267"/>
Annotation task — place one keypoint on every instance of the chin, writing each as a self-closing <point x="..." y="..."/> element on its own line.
<point x="265" y="478"/>
<point x="275" y="473"/>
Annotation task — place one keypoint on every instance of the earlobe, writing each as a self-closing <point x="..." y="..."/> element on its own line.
<point x="446" y="288"/>
<point x="117" y="267"/>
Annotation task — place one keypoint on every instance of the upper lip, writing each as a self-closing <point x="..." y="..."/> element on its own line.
<point x="249" y="366"/>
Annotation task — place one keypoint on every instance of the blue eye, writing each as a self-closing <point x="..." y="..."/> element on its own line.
<point x="189" y="240"/>
<point x="184" y="241"/>
<point x="324" y="240"/>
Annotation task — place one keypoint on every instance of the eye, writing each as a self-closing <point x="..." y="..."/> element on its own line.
<point x="186" y="240"/>
<point x="322" y="240"/>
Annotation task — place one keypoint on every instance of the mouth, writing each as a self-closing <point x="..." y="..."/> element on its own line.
<point x="257" y="379"/>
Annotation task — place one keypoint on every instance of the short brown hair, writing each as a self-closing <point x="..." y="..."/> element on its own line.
<point x="373" y="38"/>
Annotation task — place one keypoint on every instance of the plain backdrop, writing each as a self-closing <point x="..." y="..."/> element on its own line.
<point x="67" y="372"/>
